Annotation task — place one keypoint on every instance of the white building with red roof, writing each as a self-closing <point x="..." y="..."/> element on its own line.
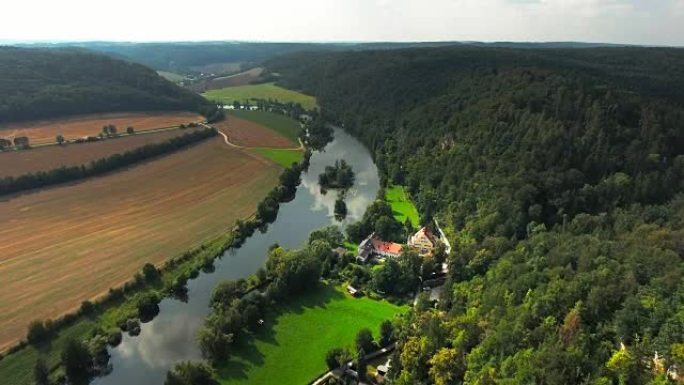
<point x="424" y="240"/>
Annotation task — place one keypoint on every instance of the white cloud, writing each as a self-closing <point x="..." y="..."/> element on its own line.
<point x="622" y="21"/>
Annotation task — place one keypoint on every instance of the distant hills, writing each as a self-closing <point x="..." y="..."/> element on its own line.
<point x="43" y="83"/>
<point x="191" y="56"/>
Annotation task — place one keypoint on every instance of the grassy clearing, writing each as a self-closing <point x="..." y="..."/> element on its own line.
<point x="260" y="91"/>
<point x="290" y="347"/>
<point x="402" y="206"/>
<point x="281" y="124"/>
<point x="282" y="157"/>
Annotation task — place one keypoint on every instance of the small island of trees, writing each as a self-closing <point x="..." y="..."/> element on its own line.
<point x="338" y="176"/>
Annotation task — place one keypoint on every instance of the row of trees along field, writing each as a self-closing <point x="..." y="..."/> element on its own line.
<point x="558" y="175"/>
<point x="11" y="184"/>
<point x="46" y="83"/>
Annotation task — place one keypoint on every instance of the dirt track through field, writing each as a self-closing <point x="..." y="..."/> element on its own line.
<point x="242" y="133"/>
<point x="45" y="131"/>
<point x="61" y="246"/>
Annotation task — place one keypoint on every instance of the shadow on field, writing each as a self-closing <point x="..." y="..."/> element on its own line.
<point x="246" y="353"/>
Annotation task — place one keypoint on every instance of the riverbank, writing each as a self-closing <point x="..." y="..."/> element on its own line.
<point x="112" y="313"/>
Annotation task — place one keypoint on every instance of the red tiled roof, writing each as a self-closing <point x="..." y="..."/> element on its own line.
<point x="387" y="247"/>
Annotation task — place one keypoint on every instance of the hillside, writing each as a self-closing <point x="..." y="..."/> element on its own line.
<point x="45" y="83"/>
<point x="558" y="174"/>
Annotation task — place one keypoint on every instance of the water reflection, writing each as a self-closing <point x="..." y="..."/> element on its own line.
<point x="170" y="337"/>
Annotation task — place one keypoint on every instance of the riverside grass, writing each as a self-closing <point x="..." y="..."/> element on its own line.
<point x="292" y="343"/>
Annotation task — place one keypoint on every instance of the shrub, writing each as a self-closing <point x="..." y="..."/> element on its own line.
<point x="37" y="332"/>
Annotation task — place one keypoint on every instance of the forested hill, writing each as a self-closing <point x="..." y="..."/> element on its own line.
<point x="42" y="83"/>
<point x="559" y="176"/>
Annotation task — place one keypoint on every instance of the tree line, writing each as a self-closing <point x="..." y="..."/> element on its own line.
<point x="11" y="184"/>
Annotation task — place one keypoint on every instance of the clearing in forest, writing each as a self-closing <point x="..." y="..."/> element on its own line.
<point x="63" y="245"/>
<point x="45" y="131"/>
<point x="260" y="91"/>
<point x="401" y="204"/>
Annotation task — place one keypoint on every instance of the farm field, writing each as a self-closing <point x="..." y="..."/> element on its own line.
<point x="304" y="328"/>
<point x="45" y="131"/>
<point x="281" y="124"/>
<point x="240" y="79"/>
<point x="63" y="245"/>
<point x="15" y="163"/>
<point x="246" y="133"/>
<point x="260" y="91"/>
<point x="401" y="205"/>
<point x="219" y="68"/>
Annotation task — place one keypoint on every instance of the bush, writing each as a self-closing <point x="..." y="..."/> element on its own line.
<point x="364" y="341"/>
<point x="148" y="306"/>
<point x="150" y="272"/>
<point x="114" y="337"/>
<point x="190" y="373"/>
<point x="133" y="326"/>
<point x="77" y="361"/>
<point x="37" y="332"/>
<point x="87" y="308"/>
<point x="335" y="358"/>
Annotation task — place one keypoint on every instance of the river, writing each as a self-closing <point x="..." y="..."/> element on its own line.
<point x="170" y="337"/>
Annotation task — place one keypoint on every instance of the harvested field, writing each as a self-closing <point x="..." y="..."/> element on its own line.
<point x="45" y="131"/>
<point x="15" y="163"/>
<point x="219" y="68"/>
<point x="250" y="134"/>
<point x="241" y="79"/>
<point x="61" y="246"/>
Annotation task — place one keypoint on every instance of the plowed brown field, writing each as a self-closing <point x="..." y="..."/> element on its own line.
<point x="45" y="131"/>
<point x="15" y="163"/>
<point x="61" y="246"/>
<point x="249" y="134"/>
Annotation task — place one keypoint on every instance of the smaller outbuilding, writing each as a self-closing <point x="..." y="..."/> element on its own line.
<point x="353" y="291"/>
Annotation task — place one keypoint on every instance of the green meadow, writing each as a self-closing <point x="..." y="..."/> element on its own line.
<point x="283" y="157"/>
<point x="290" y="348"/>
<point x="401" y="205"/>
<point x="260" y="91"/>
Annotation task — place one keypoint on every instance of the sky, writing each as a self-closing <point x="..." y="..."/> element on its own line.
<point x="648" y="22"/>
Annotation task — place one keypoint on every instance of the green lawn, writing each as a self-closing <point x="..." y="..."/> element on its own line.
<point x="281" y="124"/>
<point x="401" y="205"/>
<point x="290" y="348"/>
<point x="260" y="91"/>
<point x="284" y="158"/>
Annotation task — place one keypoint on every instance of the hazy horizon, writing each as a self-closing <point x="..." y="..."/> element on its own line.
<point x="634" y="22"/>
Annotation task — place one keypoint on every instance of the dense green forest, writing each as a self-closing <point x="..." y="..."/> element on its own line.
<point x="558" y="175"/>
<point x="45" y="83"/>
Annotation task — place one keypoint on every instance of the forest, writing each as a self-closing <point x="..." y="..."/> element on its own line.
<point x="558" y="175"/>
<point x="46" y="83"/>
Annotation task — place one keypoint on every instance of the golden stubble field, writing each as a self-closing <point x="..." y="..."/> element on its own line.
<point x="64" y="245"/>
<point x="45" y="131"/>
<point x="15" y="163"/>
